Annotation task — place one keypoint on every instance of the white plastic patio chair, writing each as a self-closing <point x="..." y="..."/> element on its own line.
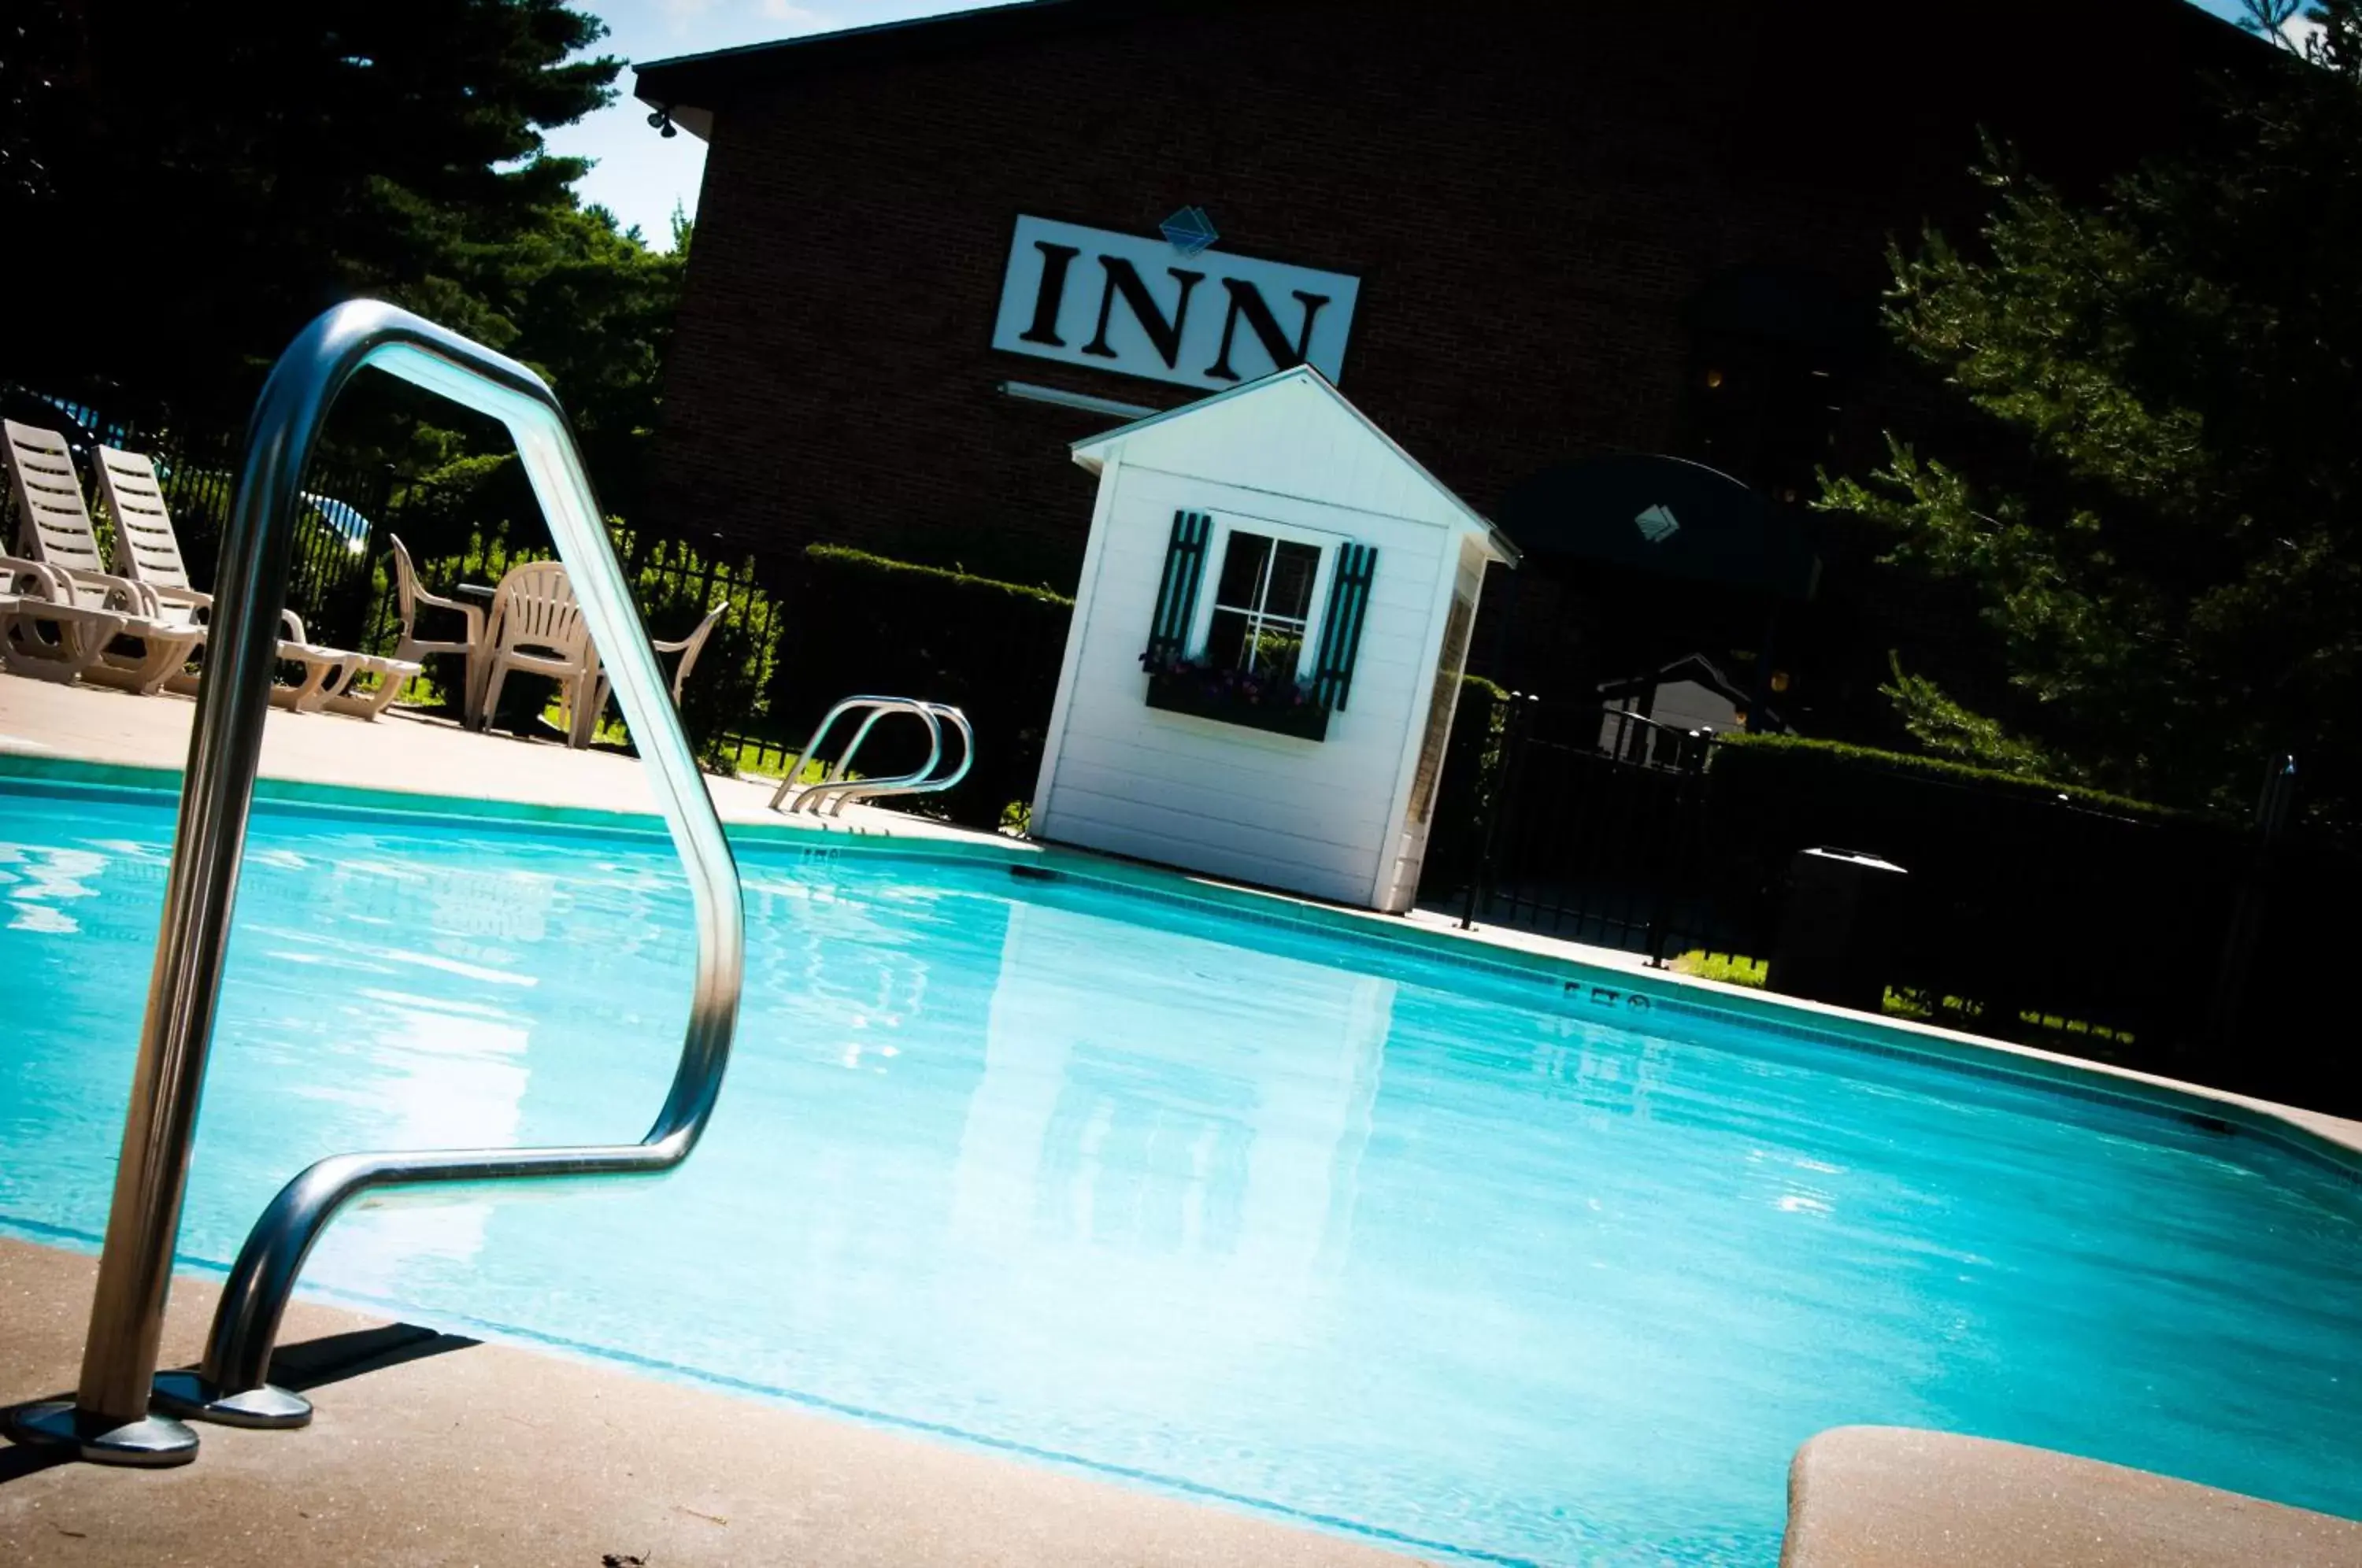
<point x="689" y="647"/>
<point x="53" y="528"/>
<point x="538" y="627"/>
<point x="411" y="598"/>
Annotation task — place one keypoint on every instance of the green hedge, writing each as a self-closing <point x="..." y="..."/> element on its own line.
<point x="1843" y="757"/>
<point x="2023" y="896"/>
<point x="853" y="560"/>
<point x="863" y="623"/>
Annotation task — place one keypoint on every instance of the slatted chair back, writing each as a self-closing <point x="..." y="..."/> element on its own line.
<point x="52" y="522"/>
<point x="406" y="584"/>
<point x="534" y="608"/>
<point x="146" y="548"/>
<point x="692" y="645"/>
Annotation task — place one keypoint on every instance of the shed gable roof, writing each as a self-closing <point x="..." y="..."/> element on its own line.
<point x="1277" y="426"/>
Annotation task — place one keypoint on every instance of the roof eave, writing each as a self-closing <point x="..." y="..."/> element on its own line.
<point x="1087" y="452"/>
<point x="708" y="81"/>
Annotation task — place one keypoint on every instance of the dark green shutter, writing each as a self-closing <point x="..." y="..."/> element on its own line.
<point x="1176" y="596"/>
<point x="1341" y="628"/>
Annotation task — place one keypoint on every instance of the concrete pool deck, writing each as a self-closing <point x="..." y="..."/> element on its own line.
<point x="445" y="1451"/>
<point x="405" y="751"/>
<point x="1893" y="1497"/>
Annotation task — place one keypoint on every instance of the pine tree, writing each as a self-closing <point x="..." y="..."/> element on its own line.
<point x="2168" y="546"/>
<point x="185" y="184"/>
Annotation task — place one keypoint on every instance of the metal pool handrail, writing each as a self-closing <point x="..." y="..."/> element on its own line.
<point x="109" y="1419"/>
<point x="830" y="799"/>
<point x="829" y="795"/>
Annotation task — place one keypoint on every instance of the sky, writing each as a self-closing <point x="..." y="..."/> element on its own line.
<point x="640" y="176"/>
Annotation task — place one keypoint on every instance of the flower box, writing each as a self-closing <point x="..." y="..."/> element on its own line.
<point x="1191" y="692"/>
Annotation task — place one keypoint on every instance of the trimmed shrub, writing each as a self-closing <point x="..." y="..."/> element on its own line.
<point x="1844" y="756"/>
<point x="862" y="623"/>
<point x="2023" y="897"/>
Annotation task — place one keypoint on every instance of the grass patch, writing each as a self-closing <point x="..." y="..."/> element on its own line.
<point x="1731" y="970"/>
<point x="2078" y="1036"/>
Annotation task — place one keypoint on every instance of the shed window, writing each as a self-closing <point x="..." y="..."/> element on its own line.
<point x="1263" y="605"/>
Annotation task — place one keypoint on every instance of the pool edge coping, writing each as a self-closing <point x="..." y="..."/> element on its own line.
<point x="2318" y="1136"/>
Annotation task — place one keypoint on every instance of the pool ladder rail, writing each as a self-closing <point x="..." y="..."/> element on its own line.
<point x="827" y="795"/>
<point x="111" y="1420"/>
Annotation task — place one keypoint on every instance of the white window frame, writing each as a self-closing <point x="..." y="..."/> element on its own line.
<point x="1217" y="550"/>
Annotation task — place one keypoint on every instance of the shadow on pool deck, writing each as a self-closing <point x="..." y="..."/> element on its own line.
<point x="509" y="1456"/>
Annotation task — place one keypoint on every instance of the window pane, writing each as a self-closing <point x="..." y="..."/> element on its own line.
<point x="1274" y="649"/>
<point x="1226" y="640"/>
<point x="1243" y="564"/>
<point x="1291" y="581"/>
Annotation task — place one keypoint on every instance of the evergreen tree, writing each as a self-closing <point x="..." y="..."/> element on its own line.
<point x="2165" y="532"/>
<point x="185" y="184"/>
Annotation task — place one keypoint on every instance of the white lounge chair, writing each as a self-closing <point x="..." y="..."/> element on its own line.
<point x="147" y="552"/>
<point x="53" y="529"/>
<point x="411" y="598"/>
<point x="689" y="647"/>
<point x="43" y="633"/>
<point x="538" y="627"/>
<point x="330" y="674"/>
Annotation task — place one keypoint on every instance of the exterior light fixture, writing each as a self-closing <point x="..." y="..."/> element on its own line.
<point x="662" y="120"/>
<point x="1714" y="378"/>
<point x="1189" y="231"/>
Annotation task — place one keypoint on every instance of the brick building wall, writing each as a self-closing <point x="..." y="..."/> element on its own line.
<point x="1530" y="194"/>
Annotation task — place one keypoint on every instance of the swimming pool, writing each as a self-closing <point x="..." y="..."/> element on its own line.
<point x="1428" y="1250"/>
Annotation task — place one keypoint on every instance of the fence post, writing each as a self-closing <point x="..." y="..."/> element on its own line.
<point x="1691" y="755"/>
<point x="2247" y="922"/>
<point x="361" y="605"/>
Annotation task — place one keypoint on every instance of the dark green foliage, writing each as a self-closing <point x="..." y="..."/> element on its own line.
<point x="858" y="561"/>
<point x="861" y="623"/>
<point x="204" y="179"/>
<point x="2164" y="523"/>
<point x="1475" y="763"/>
<point x="2021" y="897"/>
<point x="1841" y="759"/>
<point x="220" y="173"/>
<point x="674" y="586"/>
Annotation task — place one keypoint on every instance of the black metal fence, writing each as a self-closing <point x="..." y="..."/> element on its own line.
<point x="1591" y="831"/>
<point x="344" y="505"/>
<point x="2163" y="941"/>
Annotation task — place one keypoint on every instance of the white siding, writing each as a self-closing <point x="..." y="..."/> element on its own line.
<point x="1319" y="817"/>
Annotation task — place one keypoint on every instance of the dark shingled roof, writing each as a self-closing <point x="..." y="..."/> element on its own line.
<point x="693" y="86"/>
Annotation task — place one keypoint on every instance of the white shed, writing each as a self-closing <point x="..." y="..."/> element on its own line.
<point x="1267" y="642"/>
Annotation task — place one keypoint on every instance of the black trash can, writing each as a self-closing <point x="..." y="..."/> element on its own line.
<point x="1832" y="944"/>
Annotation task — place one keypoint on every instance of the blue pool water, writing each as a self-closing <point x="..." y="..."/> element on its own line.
<point x="1419" y="1250"/>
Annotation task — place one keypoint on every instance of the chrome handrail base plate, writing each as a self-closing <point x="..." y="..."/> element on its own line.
<point x="152" y="1443"/>
<point x="188" y="1396"/>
